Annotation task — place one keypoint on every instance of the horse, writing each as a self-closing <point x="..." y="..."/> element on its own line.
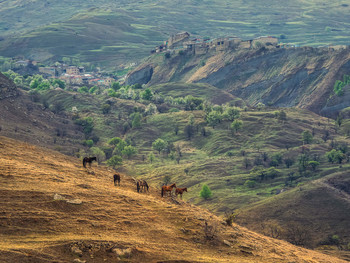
<point x="166" y="188"/>
<point x="116" y="178"/>
<point x="180" y="191"/>
<point x="88" y="160"/>
<point x="142" y="185"/>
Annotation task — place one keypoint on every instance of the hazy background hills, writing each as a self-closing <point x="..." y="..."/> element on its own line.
<point x="111" y="32"/>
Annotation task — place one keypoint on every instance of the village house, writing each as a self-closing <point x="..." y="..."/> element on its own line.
<point x="72" y="70"/>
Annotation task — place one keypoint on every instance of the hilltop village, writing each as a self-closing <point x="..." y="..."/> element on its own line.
<point x="184" y="41"/>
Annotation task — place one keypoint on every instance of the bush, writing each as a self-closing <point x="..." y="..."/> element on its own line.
<point x="230" y="153"/>
<point x="114" y="161"/>
<point x="89" y="143"/>
<point x="250" y="183"/>
<point x="86" y="123"/>
<point x="205" y="193"/>
<point x="106" y="108"/>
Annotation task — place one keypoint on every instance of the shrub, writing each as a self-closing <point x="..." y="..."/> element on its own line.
<point x="114" y="161"/>
<point x="106" y="108"/>
<point x="89" y="143"/>
<point x="205" y="193"/>
<point x="250" y="183"/>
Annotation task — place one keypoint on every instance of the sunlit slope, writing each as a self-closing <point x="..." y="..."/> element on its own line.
<point x="53" y="210"/>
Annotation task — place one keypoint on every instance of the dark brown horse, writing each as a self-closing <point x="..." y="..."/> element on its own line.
<point x="180" y="191"/>
<point x="167" y="188"/>
<point x="142" y="186"/>
<point x="116" y="178"/>
<point x="88" y="160"/>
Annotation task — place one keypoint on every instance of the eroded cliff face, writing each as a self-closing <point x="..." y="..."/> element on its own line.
<point x="298" y="77"/>
<point x="7" y="88"/>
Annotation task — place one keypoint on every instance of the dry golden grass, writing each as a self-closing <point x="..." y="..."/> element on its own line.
<point x="36" y="228"/>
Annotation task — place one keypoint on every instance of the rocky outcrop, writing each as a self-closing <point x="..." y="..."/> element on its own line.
<point x="7" y="88"/>
<point x="141" y="75"/>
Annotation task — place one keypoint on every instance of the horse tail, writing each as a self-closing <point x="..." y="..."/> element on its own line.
<point x="84" y="163"/>
<point x="146" y="185"/>
<point x="138" y="187"/>
<point x="162" y="191"/>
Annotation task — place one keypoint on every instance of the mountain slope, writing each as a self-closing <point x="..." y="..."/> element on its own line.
<point x="291" y="77"/>
<point x="320" y="207"/>
<point x="317" y="22"/>
<point x="52" y="209"/>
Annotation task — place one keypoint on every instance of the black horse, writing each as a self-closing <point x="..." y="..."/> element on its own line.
<point x="88" y="160"/>
<point x="116" y="178"/>
<point x="142" y="185"/>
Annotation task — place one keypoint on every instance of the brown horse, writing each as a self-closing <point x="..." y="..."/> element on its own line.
<point x="167" y="188"/>
<point x="88" y="160"/>
<point x="180" y="191"/>
<point x="116" y="179"/>
<point x="142" y="185"/>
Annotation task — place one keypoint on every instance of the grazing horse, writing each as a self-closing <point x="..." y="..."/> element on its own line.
<point x="116" y="178"/>
<point x="142" y="185"/>
<point x="166" y="188"/>
<point x="88" y="160"/>
<point x="180" y="191"/>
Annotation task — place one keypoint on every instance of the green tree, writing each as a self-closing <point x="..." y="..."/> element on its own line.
<point x="159" y="145"/>
<point x="136" y="120"/>
<point x="338" y="87"/>
<point x="106" y="108"/>
<point x="44" y="85"/>
<point x="101" y="156"/>
<point x="231" y="113"/>
<point x="151" y="157"/>
<point x="260" y="106"/>
<point x="214" y="118"/>
<point x="87" y="123"/>
<point x="114" y="141"/>
<point x="205" y="193"/>
<point x="114" y="161"/>
<point x="89" y="143"/>
<point x="116" y="86"/>
<point x="93" y="89"/>
<point x="250" y="183"/>
<point x="313" y="165"/>
<point x="60" y="83"/>
<point x="36" y="81"/>
<point x="18" y="80"/>
<point x="236" y="125"/>
<point x="281" y="115"/>
<point x="335" y="156"/>
<point x="289" y="162"/>
<point x="306" y="137"/>
<point x="147" y="94"/>
<point x="83" y="89"/>
<point x="129" y="151"/>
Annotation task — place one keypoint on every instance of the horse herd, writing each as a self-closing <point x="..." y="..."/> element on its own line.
<point x="141" y="185"/>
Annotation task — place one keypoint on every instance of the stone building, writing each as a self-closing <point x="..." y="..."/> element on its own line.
<point x="178" y="39"/>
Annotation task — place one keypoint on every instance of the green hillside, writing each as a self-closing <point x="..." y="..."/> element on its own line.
<point x="104" y="31"/>
<point x="273" y="154"/>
